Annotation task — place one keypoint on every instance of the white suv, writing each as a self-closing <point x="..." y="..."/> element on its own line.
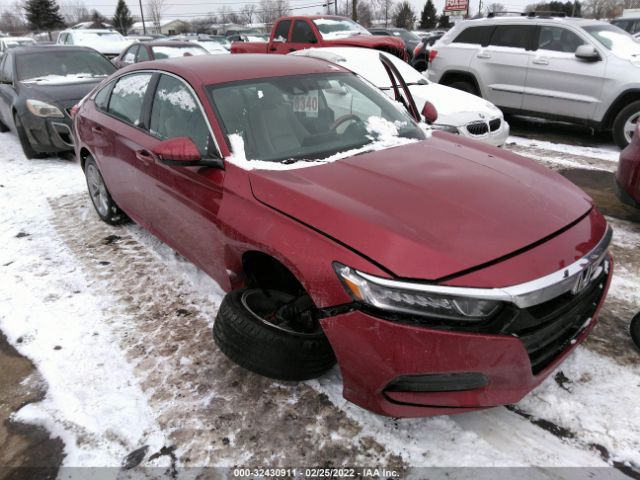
<point x="108" y="42"/>
<point x="568" y="69"/>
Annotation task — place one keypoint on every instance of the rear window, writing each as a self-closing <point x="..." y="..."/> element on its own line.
<point x="475" y="35"/>
<point x="514" y="36"/>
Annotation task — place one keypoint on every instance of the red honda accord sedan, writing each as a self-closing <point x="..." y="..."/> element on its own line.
<point x="628" y="174"/>
<point x="442" y="274"/>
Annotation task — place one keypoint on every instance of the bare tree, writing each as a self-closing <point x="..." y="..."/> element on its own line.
<point x="248" y="13"/>
<point x="496" y="8"/>
<point x="12" y="20"/>
<point x="74" y="11"/>
<point x="603" y="8"/>
<point x="365" y="13"/>
<point x="270" y="10"/>
<point x="383" y="10"/>
<point x="154" y="11"/>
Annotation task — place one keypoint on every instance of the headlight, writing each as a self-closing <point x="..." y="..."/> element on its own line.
<point x="446" y="128"/>
<point x="42" y="109"/>
<point x="398" y="299"/>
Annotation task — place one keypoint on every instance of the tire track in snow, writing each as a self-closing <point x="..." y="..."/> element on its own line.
<point x="214" y="412"/>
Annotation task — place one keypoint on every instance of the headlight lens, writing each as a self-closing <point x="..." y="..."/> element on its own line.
<point x="447" y="307"/>
<point x="42" y="109"/>
<point x="446" y="128"/>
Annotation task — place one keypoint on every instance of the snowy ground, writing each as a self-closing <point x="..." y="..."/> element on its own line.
<point x="118" y="326"/>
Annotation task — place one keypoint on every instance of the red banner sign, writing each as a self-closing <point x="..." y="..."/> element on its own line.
<point x="456" y="5"/>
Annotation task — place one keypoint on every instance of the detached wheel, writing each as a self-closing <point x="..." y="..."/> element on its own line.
<point x="106" y="208"/>
<point x="625" y="124"/>
<point x="28" y="150"/>
<point x="635" y="330"/>
<point x="252" y="331"/>
<point x="465" y="87"/>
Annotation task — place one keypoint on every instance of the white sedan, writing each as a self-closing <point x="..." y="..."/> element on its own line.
<point x="458" y="112"/>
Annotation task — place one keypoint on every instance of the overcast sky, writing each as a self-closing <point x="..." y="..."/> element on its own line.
<point x="188" y="9"/>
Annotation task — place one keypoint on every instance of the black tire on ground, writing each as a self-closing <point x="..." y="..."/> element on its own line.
<point x="105" y="207"/>
<point x="262" y="347"/>
<point x="464" y="86"/>
<point x="28" y="150"/>
<point x="3" y="127"/>
<point x="626" y="119"/>
<point x="635" y="330"/>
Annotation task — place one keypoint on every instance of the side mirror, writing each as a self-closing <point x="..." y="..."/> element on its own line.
<point x="587" y="52"/>
<point x="429" y="113"/>
<point x="178" y="152"/>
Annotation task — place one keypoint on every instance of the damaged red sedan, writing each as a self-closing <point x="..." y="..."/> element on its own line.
<point x="442" y="274"/>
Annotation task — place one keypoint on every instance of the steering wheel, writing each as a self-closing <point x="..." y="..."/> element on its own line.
<point x="343" y="119"/>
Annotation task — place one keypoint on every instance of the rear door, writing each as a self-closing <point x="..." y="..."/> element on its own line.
<point x="302" y="36"/>
<point x="557" y="81"/>
<point x="279" y="42"/>
<point x="126" y="160"/>
<point x="502" y="64"/>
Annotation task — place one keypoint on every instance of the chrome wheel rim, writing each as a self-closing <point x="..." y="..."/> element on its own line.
<point x="630" y="126"/>
<point x="97" y="190"/>
<point x="263" y="304"/>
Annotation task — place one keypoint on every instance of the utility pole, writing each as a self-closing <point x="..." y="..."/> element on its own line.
<point x="354" y="11"/>
<point x="144" y="27"/>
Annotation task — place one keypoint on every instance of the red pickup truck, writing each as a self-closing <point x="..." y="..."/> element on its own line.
<point x="296" y="33"/>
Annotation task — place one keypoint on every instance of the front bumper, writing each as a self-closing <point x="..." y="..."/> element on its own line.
<point x="49" y="135"/>
<point x="402" y="366"/>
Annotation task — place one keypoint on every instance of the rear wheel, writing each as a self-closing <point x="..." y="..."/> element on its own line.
<point x="28" y="150"/>
<point x="624" y="124"/>
<point x="635" y="330"/>
<point x="258" y="330"/>
<point x="106" y="208"/>
<point x="464" y="86"/>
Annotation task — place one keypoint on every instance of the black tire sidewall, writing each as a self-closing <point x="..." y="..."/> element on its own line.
<point x="620" y="120"/>
<point x="27" y="149"/>
<point x="634" y="330"/>
<point x="115" y="216"/>
<point x="268" y="351"/>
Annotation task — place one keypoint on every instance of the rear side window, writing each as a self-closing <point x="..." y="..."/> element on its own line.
<point x="127" y="97"/>
<point x="282" y="31"/>
<point x="130" y="56"/>
<point x="143" y="55"/>
<point x="475" y="35"/>
<point x="514" y="36"/>
<point x="302" y="32"/>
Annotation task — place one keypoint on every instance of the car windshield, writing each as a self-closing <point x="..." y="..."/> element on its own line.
<point x="100" y="37"/>
<point x="615" y="39"/>
<point x="309" y="117"/>
<point x="406" y="35"/>
<point x="62" y="66"/>
<point x="339" y="28"/>
<point x="18" y="43"/>
<point x="161" y="52"/>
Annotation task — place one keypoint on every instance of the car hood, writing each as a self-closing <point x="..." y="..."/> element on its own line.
<point x="429" y="209"/>
<point x="454" y="107"/>
<point x="64" y="94"/>
<point x="366" y="41"/>
<point x="107" y="47"/>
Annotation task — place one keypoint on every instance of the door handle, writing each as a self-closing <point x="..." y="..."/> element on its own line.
<point x="483" y="55"/>
<point x="145" y="157"/>
<point x="541" y="61"/>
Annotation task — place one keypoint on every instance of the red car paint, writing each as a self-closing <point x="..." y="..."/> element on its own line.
<point x="446" y="210"/>
<point x="628" y="174"/>
<point x="388" y="44"/>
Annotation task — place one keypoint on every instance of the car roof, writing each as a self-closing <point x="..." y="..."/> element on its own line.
<point x="168" y="43"/>
<point x="48" y="47"/>
<point x="520" y="19"/>
<point x="216" y="69"/>
<point x="17" y="38"/>
<point x="90" y="30"/>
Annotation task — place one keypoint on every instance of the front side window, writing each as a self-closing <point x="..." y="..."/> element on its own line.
<point x="514" y="36"/>
<point x="282" y="31"/>
<point x="128" y="96"/>
<point x="302" y="33"/>
<point x="559" y="39"/>
<point x="308" y="116"/>
<point x="475" y="35"/>
<point x="176" y="113"/>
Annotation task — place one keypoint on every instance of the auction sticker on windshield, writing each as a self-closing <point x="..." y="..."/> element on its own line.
<point x="306" y="103"/>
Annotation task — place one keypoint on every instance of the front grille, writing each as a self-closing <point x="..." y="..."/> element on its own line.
<point x="478" y="128"/>
<point x="495" y="124"/>
<point x="547" y="329"/>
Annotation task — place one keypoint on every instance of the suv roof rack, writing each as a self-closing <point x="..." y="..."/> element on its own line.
<point x="539" y="14"/>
